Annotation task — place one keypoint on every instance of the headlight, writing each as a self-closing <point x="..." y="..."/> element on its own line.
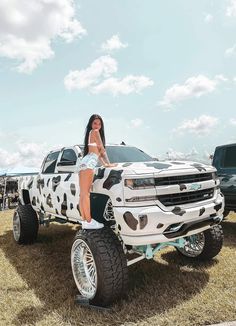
<point x="142" y="183"/>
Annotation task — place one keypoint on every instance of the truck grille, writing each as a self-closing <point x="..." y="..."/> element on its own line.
<point x="180" y="179"/>
<point x="186" y="198"/>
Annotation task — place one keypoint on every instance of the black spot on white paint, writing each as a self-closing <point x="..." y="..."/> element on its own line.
<point x="55" y="182"/>
<point x="182" y="186"/>
<point x="48" y="182"/>
<point x="113" y="178"/>
<point x="198" y="166"/>
<point x="126" y="164"/>
<point x="71" y="206"/>
<point x="64" y="205"/>
<point x="72" y="189"/>
<point x="178" y="211"/>
<point x="30" y="184"/>
<point x="158" y="166"/>
<point x="143" y="219"/>
<point x="218" y="207"/>
<point x="176" y="162"/>
<point x="49" y="200"/>
<point x="68" y="177"/>
<point x="130" y="220"/>
<point x="99" y="175"/>
<point x="118" y="199"/>
<point x="34" y="201"/>
<point x="202" y="210"/>
<point x="58" y="199"/>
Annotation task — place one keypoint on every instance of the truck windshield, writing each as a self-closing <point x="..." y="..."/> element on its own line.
<point x="120" y="154"/>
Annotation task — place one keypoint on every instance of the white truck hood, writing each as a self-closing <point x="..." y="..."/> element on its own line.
<point x="167" y="167"/>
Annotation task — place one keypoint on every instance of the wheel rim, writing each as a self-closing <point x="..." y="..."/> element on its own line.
<point x="194" y="245"/>
<point x="84" y="268"/>
<point x="16" y="226"/>
<point x="108" y="211"/>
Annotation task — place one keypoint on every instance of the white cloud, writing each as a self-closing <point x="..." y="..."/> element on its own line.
<point x="27" y="29"/>
<point x="208" y="18"/>
<point x="233" y="122"/>
<point x="231" y="8"/>
<point x="192" y="155"/>
<point x="114" y="43"/>
<point x="196" y="86"/>
<point x="200" y="126"/>
<point x="126" y="85"/>
<point x="135" y="123"/>
<point x="102" y="67"/>
<point x="26" y="154"/>
<point x="97" y="78"/>
<point x="230" y="51"/>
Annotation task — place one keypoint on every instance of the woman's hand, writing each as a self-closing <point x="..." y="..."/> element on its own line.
<point x="110" y="165"/>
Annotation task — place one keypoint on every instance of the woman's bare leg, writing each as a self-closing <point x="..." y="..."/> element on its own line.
<point x="85" y="182"/>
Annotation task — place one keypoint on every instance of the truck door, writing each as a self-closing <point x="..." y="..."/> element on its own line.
<point x="47" y="198"/>
<point x="66" y="184"/>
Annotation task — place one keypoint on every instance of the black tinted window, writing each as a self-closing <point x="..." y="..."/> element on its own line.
<point x="229" y="160"/>
<point x="68" y="155"/>
<point x="50" y="163"/>
<point x="119" y="154"/>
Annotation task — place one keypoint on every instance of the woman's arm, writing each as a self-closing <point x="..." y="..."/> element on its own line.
<point x="103" y="154"/>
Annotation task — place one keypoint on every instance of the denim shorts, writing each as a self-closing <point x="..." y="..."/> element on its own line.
<point x="89" y="161"/>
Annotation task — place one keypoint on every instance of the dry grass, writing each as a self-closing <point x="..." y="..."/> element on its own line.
<point x="37" y="287"/>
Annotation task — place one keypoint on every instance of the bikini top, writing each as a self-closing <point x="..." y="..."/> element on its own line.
<point x="91" y="144"/>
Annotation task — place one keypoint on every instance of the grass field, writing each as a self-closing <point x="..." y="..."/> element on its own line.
<point x="37" y="286"/>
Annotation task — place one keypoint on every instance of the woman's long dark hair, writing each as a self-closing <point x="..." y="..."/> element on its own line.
<point x="89" y="127"/>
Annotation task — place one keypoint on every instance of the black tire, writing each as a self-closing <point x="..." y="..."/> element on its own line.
<point x="25" y="224"/>
<point x="110" y="265"/>
<point x="212" y="244"/>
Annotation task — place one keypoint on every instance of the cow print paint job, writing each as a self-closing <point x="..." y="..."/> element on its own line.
<point x="158" y="165"/>
<point x="99" y="175"/>
<point x="126" y="164"/>
<point x="64" y="205"/>
<point x="202" y="210"/>
<point x="118" y="199"/>
<point x="178" y="211"/>
<point x="182" y="187"/>
<point x="68" y="177"/>
<point x="143" y="220"/>
<point x="34" y="201"/>
<point x="38" y="200"/>
<point x="58" y="199"/>
<point x="218" y="207"/>
<point x="30" y="184"/>
<point x="113" y="178"/>
<point x="72" y="189"/>
<point x="55" y="182"/>
<point x="198" y="166"/>
<point x="48" y="182"/>
<point x="176" y="162"/>
<point x="49" y="200"/>
<point x="71" y="206"/>
<point x="130" y="220"/>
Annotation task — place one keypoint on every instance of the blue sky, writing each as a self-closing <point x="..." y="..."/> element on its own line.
<point x="162" y="74"/>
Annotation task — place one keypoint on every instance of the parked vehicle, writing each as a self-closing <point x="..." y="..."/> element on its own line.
<point x="224" y="160"/>
<point x="144" y="204"/>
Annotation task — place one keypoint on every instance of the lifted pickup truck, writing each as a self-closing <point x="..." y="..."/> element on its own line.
<point x="224" y="160"/>
<point x="145" y="205"/>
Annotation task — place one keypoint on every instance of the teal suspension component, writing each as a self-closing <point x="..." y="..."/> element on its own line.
<point x="149" y="250"/>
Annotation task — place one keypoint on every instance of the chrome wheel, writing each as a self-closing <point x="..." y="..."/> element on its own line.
<point x="84" y="268"/>
<point x="16" y="226"/>
<point x="194" y="245"/>
<point x="108" y="211"/>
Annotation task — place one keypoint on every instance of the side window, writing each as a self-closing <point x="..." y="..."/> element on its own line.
<point x="69" y="155"/>
<point x="50" y="162"/>
<point x="229" y="159"/>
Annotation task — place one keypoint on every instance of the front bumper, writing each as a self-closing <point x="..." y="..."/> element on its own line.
<point x="149" y="225"/>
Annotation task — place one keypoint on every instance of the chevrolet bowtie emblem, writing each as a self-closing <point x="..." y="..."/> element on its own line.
<point x="195" y="186"/>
